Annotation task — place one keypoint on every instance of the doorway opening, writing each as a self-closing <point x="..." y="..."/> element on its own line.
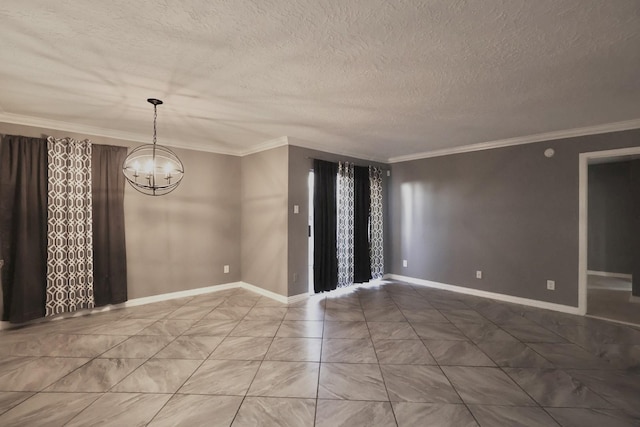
<point x="609" y="223"/>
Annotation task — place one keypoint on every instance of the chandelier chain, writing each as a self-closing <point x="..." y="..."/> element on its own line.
<point x="155" y="116"/>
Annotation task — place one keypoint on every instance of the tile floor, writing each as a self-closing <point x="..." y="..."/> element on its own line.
<point x="611" y="303"/>
<point x="384" y="355"/>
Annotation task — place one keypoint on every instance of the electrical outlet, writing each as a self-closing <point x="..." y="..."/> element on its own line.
<point x="478" y="274"/>
<point x="226" y="268"/>
<point x="296" y="209"/>
<point x="551" y="285"/>
<point x="405" y="263"/>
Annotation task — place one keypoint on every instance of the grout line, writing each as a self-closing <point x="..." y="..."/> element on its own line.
<point x="315" y="412"/>
<point x="362" y="301"/>
<point x="197" y="368"/>
<point x="384" y="382"/>
<point x="257" y="370"/>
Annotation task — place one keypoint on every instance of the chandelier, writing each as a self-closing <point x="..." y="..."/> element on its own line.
<point x="153" y="169"/>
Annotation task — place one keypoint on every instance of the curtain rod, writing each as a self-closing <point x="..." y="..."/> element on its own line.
<point x="354" y="163"/>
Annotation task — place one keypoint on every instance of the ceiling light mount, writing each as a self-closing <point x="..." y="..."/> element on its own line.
<point x="152" y="169"/>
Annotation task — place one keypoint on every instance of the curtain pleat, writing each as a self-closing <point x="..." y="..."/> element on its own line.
<point x="376" y="223"/>
<point x="23" y="227"/>
<point x="345" y="221"/>
<point x="69" y="226"/>
<point x="361" y="213"/>
<point x="109" y="249"/>
<point x="325" y="262"/>
<point x="635" y="227"/>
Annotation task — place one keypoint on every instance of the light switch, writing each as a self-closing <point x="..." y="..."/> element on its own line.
<point x="296" y="209"/>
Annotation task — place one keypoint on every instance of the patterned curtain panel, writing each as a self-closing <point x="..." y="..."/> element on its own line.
<point x="376" y="223"/>
<point x="69" y="226"/>
<point x="345" y="232"/>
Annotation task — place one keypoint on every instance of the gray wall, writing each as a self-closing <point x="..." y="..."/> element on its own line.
<point x="300" y="163"/>
<point x="510" y="212"/>
<point x="180" y="241"/>
<point x="264" y="219"/>
<point x="183" y="240"/>
<point x="610" y="214"/>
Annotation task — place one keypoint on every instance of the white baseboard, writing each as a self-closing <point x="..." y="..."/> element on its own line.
<point x="269" y="294"/>
<point x="623" y="282"/>
<point x="263" y="292"/>
<point x="609" y="274"/>
<point x="179" y="294"/>
<point x="297" y="298"/>
<point x="620" y="287"/>
<point x="606" y="319"/>
<point x="162" y="297"/>
<point x="486" y="294"/>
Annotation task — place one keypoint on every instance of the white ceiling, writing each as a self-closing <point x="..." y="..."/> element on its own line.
<point x="373" y="78"/>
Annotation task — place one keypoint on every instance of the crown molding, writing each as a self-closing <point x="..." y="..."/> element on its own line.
<point x="264" y="146"/>
<point x="37" y="122"/>
<point x="317" y="147"/>
<point x="520" y="140"/>
<point x="17" y="119"/>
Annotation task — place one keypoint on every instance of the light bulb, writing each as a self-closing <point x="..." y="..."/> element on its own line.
<point x="149" y="166"/>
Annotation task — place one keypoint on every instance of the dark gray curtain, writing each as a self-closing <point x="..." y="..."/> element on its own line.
<point x="635" y="227"/>
<point x="325" y="258"/>
<point x="362" y="209"/>
<point x="23" y="227"/>
<point x="109" y="251"/>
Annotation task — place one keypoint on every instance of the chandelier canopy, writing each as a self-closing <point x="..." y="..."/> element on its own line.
<point x="151" y="168"/>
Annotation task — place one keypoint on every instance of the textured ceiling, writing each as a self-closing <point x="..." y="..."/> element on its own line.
<point x="373" y="78"/>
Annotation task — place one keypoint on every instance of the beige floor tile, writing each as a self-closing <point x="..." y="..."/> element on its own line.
<point x="222" y="377"/>
<point x="270" y="411"/>
<point x="348" y="351"/>
<point x="301" y="329"/>
<point x="295" y="349"/>
<point x="286" y="379"/>
<point x="242" y="348"/>
<point x="332" y="413"/>
<point x="351" y="382"/>
<point x="47" y="409"/>
<point x="198" y="410"/>
<point x="120" y="409"/>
